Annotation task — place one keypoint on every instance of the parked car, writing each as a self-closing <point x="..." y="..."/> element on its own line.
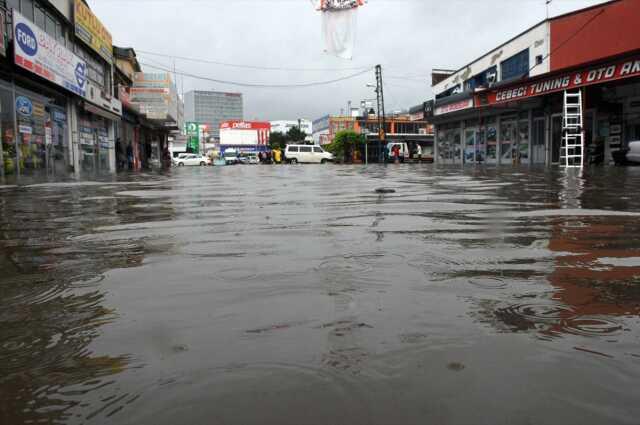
<point x="249" y="158"/>
<point x="405" y="153"/>
<point x="628" y="156"/>
<point x="307" y="154"/>
<point x="192" y="159"/>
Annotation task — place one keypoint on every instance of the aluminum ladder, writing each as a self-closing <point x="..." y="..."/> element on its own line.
<point x="572" y="149"/>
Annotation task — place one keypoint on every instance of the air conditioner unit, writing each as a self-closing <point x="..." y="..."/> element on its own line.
<point x="492" y="78"/>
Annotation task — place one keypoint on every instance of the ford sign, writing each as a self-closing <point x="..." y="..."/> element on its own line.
<point x="26" y="39"/>
<point x="24" y="106"/>
<point x="81" y="74"/>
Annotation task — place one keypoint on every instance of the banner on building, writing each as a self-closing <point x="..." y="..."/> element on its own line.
<point x="89" y="29"/>
<point x="39" y="53"/>
<point x="193" y="137"/>
<point x="454" y="107"/>
<point x="618" y="70"/>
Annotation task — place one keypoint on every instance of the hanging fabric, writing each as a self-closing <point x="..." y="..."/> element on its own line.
<point x="339" y="22"/>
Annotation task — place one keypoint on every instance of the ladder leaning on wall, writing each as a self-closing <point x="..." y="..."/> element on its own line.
<point x="573" y="149"/>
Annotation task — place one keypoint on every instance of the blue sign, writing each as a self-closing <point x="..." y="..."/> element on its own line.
<point x="81" y="74"/>
<point x="26" y="39"/>
<point x="59" y="116"/>
<point x="24" y="106"/>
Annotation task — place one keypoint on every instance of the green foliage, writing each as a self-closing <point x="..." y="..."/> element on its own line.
<point x="278" y="140"/>
<point x="295" y="135"/>
<point x="344" y="143"/>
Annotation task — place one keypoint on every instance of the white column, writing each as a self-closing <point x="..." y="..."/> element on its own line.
<point x="74" y="140"/>
<point x="112" y="146"/>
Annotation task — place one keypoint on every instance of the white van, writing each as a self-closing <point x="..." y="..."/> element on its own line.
<point x="307" y="154"/>
<point x="404" y="150"/>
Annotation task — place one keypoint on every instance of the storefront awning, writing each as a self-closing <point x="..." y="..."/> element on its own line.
<point x="100" y="112"/>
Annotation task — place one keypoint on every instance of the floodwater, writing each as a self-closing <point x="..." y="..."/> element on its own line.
<point x="299" y="295"/>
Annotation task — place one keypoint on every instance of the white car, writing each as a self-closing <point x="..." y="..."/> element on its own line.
<point x="192" y="159"/>
<point x="307" y="154"/>
<point x="249" y="158"/>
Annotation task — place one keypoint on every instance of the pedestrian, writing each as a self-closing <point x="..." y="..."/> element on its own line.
<point x="418" y="151"/>
<point x="396" y="153"/>
<point x="130" y="157"/>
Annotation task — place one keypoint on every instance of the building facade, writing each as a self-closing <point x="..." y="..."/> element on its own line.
<point x="56" y="88"/>
<point x="321" y="130"/>
<point x="507" y="106"/>
<point x="212" y="108"/>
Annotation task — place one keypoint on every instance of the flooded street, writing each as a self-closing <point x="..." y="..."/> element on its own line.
<point x="299" y="295"/>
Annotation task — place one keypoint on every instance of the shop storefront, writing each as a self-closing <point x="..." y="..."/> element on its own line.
<point x="34" y="128"/>
<point x="522" y="123"/>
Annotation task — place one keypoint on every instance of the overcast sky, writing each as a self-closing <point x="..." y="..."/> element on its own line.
<point x="408" y="37"/>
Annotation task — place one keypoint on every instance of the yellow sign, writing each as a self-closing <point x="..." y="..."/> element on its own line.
<point x="90" y="30"/>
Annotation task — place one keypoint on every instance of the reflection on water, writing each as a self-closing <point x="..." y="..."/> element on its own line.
<point x="300" y="295"/>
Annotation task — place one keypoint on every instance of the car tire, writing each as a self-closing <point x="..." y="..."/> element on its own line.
<point x="323" y="161"/>
<point x="202" y="164"/>
<point x="293" y="161"/>
<point x="180" y="164"/>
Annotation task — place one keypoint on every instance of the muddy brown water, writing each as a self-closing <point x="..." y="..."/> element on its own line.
<point x="300" y="295"/>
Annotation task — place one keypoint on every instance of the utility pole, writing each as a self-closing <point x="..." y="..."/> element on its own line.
<point x="381" y="114"/>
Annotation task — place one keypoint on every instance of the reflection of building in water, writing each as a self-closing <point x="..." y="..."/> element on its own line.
<point x="52" y="303"/>
<point x="595" y="277"/>
<point x="601" y="272"/>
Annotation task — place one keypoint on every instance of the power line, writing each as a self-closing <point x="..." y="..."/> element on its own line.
<point x="257" y="85"/>
<point x="255" y="67"/>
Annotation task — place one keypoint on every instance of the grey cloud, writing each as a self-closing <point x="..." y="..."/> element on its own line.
<point x="408" y="37"/>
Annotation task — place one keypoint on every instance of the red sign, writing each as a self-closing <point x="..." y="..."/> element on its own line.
<point x="245" y="125"/>
<point x="453" y="107"/>
<point x="596" y="75"/>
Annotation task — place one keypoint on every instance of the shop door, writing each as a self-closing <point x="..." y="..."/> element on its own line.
<point x="508" y="142"/>
<point x="481" y="146"/>
<point x="492" y="144"/>
<point x="88" y="150"/>
<point x="31" y="149"/>
<point x="556" y="138"/>
<point x="537" y="149"/>
<point x="470" y="146"/>
<point x="522" y="153"/>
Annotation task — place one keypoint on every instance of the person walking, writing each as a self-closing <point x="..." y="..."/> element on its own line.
<point x="396" y="154"/>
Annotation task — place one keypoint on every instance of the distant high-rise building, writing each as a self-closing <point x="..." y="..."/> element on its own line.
<point x="212" y="108"/>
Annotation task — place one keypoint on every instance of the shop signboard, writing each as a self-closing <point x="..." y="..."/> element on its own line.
<point x="193" y="136"/>
<point x="626" y="68"/>
<point x="24" y="106"/>
<point x="89" y="29"/>
<point x="25" y="129"/>
<point x="454" y="107"/>
<point x="39" y="53"/>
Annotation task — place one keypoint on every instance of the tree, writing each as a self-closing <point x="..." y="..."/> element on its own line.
<point x="295" y="135"/>
<point x="344" y="143"/>
<point x="277" y="140"/>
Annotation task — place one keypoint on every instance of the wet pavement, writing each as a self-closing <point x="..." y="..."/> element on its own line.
<point x="301" y="295"/>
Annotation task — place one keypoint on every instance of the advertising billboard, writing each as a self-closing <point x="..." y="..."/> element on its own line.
<point x="39" y="53"/>
<point x="89" y="29"/>
<point x="244" y="133"/>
